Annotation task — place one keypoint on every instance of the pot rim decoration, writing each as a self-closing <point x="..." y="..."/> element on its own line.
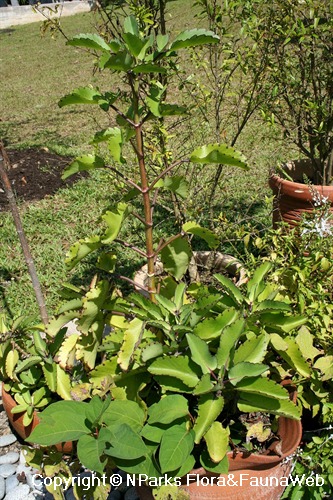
<point x="16" y="421"/>
<point x="221" y="262"/>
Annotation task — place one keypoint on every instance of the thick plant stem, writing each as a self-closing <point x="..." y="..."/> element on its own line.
<point x="145" y="195"/>
<point x="4" y="165"/>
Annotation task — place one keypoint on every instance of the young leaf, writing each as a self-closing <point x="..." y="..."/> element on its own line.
<point x="131" y="337"/>
<point x="11" y="362"/>
<point x="81" y="249"/>
<point x="134" y="43"/>
<point x="209" y="408"/>
<point x="121" y="61"/>
<point x="230" y="288"/>
<point x="25" y="364"/>
<point x="177" y="185"/>
<point x="200" y="353"/>
<point x="168" y="409"/>
<point x="114" y="219"/>
<point x="176" y="257"/>
<point x="217" y="440"/>
<point x="228" y="342"/>
<point x="259" y="274"/>
<point x="219" y="153"/>
<point x="192" y="38"/>
<point x="89" y="41"/>
<point x="176" y="446"/>
<point x="283" y="322"/>
<point x="211" y="328"/>
<point x="179" y="367"/>
<point x="131" y="25"/>
<point x="204" y="386"/>
<point x="252" y="350"/>
<point x="288" y="349"/>
<point x="82" y="164"/>
<point x="245" y="369"/>
<point x="203" y="233"/>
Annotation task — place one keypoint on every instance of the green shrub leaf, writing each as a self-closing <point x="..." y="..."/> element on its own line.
<point x="217" y="440"/>
<point x="209" y="408"/>
<point x="176" y="446"/>
<point x="176" y="257"/>
<point x="168" y="409"/>
<point x="203" y="233"/>
<point x="219" y="153"/>
<point x="192" y="38"/>
<point x="179" y="367"/>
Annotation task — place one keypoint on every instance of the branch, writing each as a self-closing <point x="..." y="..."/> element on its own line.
<point x="165" y="171"/>
<point x="122" y="176"/>
<point x="132" y="247"/>
<point x="4" y="166"/>
<point x="166" y="243"/>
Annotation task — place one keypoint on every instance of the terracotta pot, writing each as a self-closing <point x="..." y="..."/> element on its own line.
<point x="16" y="421"/>
<point x="292" y="198"/>
<point x="250" y="475"/>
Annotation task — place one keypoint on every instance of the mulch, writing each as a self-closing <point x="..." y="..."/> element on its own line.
<point x="35" y="174"/>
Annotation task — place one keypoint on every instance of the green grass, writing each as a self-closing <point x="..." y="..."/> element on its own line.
<point x="36" y="73"/>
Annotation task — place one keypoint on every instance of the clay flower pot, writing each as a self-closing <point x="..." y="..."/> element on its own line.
<point x="293" y="198"/>
<point x="251" y="475"/>
<point x="16" y="421"/>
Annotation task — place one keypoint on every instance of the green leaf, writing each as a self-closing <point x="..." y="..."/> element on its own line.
<point x="114" y="219"/>
<point x="288" y="349"/>
<point x="27" y="363"/>
<point x="283" y="322"/>
<point x="161" y="41"/>
<point x="228" y="342"/>
<point x="203" y="233"/>
<point x="230" y="288"/>
<point x="149" y="68"/>
<point x="131" y="337"/>
<point x="125" y="443"/>
<point x="217" y="440"/>
<point x="325" y="365"/>
<point x="151" y="351"/>
<point x="172" y="109"/>
<point x="177" y="185"/>
<point x="124" y="411"/>
<point x="201" y="354"/>
<point x="252" y="350"/>
<point x="271" y="306"/>
<point x="107" y="262"/>
<point x="121" y="61"/>
<point x="179" y="367"/>
<point x="82" y="95"/>
<point x="176" y="257"/>
<point x="245" y="369"/>
<point x="60" y="422"/>
<point x="211" y="328"/>
<point x="168" y="409"/>
<point x="134" y="43"/>
<point x="89" y="450"/>
<point x="263" y="386"/>
<point x="193" y="38"/>
<point x="176" y="446"/>
<point x="63" y="383"/>
<point x="80" y="250"/>
<point x="219" y="153"/>
<point x="89" y="41"/>
<point x="82" y="164"/>
<point x="249" y="403"/>
<point x="218" y="468"/>
<point x="305" y="341"/>
<point x="209" y="409"/>
<point x="131" y="25"/>
<point x="253" y="286"/>
<point x="204" y="386"/>
<point x="153" y="100"/>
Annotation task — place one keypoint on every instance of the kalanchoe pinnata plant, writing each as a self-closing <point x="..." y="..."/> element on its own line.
<point x="140" y="101"/>
<point x="181" y="372"/>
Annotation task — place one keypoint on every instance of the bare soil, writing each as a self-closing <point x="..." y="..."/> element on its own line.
<point x="35" y="174"/>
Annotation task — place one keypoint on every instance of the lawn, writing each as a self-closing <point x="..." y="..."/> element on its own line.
<point x="36" y="72"/>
